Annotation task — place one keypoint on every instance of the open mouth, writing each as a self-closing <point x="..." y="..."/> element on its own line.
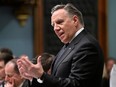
<point x="61" y="35"/>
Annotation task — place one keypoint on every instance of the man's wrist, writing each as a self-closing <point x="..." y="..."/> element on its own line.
<point x="41" y="79"/>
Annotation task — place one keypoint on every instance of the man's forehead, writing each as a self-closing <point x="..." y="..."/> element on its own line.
<point x="9" y="67"/>
<point x="9" y="72"/>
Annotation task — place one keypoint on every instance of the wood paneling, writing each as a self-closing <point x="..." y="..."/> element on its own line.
<point x="38" y="28"/>
<point x="102" y="25"/>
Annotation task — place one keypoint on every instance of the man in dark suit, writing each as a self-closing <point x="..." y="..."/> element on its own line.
<point x="80" y="61"/>
<point x="13" y="77"/>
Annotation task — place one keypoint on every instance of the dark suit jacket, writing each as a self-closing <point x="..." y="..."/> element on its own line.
<point x="81" y="64"/>
<point x="26" y="83"/>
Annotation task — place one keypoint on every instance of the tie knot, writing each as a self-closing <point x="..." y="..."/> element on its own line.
<point x="66" y="45"/>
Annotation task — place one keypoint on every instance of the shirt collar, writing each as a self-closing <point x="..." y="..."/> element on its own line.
<point x="79" y="31"/>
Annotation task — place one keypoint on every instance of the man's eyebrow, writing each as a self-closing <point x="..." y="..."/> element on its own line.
<point x="9" y="75"/>
<point x="1" y="66"/>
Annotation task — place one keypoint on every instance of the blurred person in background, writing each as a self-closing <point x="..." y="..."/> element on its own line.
<point x="13" y="77"/>
<point x="6" y="50"/>
<point x="46" y="60"/>
<point x="4" y="58"/>
<point x="107" y="70"/>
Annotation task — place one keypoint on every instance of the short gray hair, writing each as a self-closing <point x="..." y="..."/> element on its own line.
<point x="71" y="9"/>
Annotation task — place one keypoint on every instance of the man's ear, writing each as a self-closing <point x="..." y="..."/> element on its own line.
<point x="75" y="20"/>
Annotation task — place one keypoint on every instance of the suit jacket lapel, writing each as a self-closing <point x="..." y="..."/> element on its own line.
<point x="67" y="51"/>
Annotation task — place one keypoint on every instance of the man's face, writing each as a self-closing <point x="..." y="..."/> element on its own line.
<point x="64" y="25"/>
<point x="11" y="75"/>
<point x="2" y="72"/>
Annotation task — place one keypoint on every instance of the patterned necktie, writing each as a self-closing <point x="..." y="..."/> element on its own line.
<point x="66" y="45"/>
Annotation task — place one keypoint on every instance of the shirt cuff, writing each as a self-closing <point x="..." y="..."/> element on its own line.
<point x="40" y="80"/>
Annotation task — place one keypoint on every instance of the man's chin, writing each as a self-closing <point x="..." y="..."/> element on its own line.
<point x="64" y="41"/>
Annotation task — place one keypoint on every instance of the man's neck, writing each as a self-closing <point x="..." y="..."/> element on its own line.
<point x="81" y="29"/>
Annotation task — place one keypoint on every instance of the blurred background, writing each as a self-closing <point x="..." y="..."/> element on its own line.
<point x="25" y="25"/>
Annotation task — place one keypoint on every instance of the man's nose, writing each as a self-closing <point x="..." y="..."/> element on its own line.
<point x="56" y="27"/>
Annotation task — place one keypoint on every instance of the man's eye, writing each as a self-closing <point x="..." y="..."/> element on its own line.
<point x="1" y="67"/>
<point x="60" y="21"/>
<point x="9" y="75"/>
